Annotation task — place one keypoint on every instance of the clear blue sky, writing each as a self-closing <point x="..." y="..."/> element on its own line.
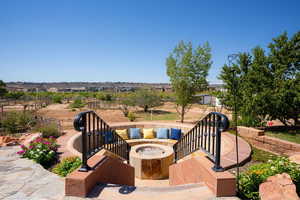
<point x="129" y="40"/>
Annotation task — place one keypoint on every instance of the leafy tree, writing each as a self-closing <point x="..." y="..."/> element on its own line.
<point x="57" y="98"/>
<point x="77" y="103"/>
<point x="15" y="95"/>
<point x="188" y="68"/>
<point x="246" y="81"/>
<point x="105" y="96"/>
<point x="268" y="85"/>
<point x="145" y="98"/>
<point x="285" y="69"/>
<point x="3" y="90"/>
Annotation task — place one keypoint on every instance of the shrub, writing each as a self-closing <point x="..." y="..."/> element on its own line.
<point x="50" y="130"/>
<point x="131" y="116"/>
<point x="16" y="122"/>
<point x="41" y="150"/>
<point x="77" y="103"/>
<point x="57" y="99"/>
<point x="145" y="98"/>
<point x="250" y="180"/>
<point x="66" y="166"/>
<point x="250" y="121"/>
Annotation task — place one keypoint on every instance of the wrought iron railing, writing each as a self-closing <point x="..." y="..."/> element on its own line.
<point x="97" y="135"/>
<point x="205" y="136"/>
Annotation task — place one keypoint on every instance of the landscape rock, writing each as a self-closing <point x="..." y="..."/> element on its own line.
<point x="278" y="187"/>
<point x="25" y="139"/>
<point x="8" y="141"/>
<point x="29" y="137"/>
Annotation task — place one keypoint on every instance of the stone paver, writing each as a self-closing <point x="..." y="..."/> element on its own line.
<point x="22" y="179"/>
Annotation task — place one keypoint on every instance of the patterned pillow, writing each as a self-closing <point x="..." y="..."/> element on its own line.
<point x="148" y="133"/>
<point x="122" y="133"/>
<point x="162" y="133"/>
<point x="135" y="133"/>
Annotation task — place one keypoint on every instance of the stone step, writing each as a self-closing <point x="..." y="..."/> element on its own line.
<point x="185" y="172"/>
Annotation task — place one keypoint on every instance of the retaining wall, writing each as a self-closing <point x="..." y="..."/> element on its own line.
<point x="258" y="139"/>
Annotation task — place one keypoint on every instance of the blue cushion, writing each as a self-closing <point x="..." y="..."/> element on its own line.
<point x="134" y="133"/>
<point x="175" y="134"/>
<point x="162" y="133"/>
<point x="108" y="137"/>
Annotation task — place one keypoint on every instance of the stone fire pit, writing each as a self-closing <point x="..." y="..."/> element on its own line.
<point x="151" y="161"/>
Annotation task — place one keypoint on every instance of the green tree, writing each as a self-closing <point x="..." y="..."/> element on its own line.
<point x="285" y="69"/>
<point x="15" y="95"/>
<point x="188" y="68"/>
<point x="3" y="90"/>
<point x="246" y="80"/>
<point x="145" y="98"/>
<point x="268" y="85"/>
<point x="57" y="98"/>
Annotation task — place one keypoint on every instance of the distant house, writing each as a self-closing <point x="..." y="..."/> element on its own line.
<point x="79" y="89"/>
<point x="53" y="89"/>
<point x="15" y="89"/>
<point x="206" y="99"/>
<point x="94" y="89"/>
<point x="216" y="87"/>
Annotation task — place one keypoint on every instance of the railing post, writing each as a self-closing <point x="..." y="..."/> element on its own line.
<point x="175" y="152"/>
<point x="84" y="167"/>
<point x="217" y="167"/>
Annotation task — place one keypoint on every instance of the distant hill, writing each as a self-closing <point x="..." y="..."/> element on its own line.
<point x="64" y="85"/>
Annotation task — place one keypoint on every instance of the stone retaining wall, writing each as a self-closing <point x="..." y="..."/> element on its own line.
<point x="258" y="139"/>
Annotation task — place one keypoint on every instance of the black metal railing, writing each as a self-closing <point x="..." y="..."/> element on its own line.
<point x="97" y="135"/>
<point x="205" y="136"/>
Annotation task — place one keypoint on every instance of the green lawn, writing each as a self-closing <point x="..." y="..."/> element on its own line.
<point x="292" y="136"/>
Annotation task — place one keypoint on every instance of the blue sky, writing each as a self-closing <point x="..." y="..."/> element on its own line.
<point x="129" y="40"/>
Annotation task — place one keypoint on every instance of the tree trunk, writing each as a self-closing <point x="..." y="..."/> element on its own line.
<point x="145" y="108"/>
<point x="182" y="114"/>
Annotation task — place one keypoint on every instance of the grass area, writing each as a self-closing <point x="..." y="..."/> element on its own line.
<point x="157" y="116"/>
<point x="291" y="136"/>
<point x="259" y="155"/>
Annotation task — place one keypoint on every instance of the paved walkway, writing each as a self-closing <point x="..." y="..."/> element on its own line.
<point x="22" y="179"/>
<point x="62" y="142"/>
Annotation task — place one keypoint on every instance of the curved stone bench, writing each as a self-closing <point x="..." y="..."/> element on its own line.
<point x="167" y="142"/>
<point x="74" y="144"/>
<point x="228" y="151"/>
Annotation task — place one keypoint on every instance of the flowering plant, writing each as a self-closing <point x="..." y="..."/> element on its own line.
<point x="270" y="123"/>
<point x="41" y="150"/>
<point x="250" y="180"/>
